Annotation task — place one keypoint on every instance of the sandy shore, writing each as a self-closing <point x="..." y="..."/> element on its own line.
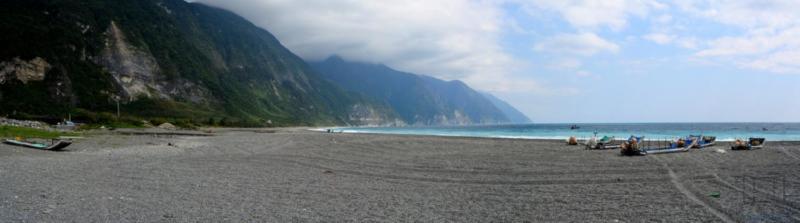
<point x="293" y="175"/>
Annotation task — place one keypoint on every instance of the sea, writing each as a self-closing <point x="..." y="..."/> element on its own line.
<point x="651" y="131"/>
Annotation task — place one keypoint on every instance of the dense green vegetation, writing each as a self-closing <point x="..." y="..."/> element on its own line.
<point x="251" y="78"/>
<point x="12" y="131"/>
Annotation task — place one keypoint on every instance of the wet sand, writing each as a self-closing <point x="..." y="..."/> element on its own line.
<point x="291" y="175"/>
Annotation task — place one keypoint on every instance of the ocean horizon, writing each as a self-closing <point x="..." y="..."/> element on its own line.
<point x="724" y="131"/>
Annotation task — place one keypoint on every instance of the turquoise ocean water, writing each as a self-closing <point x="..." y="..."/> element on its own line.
<point x="723" y="131"/>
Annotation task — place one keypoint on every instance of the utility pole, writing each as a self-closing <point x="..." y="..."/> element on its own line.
<point x="116" y="98"/>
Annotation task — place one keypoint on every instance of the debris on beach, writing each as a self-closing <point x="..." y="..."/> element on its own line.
<point x="572" y="141"/>
<point x="22" y="123"/>
<point x="146" y="124"/>
<point x="167" y="126"/>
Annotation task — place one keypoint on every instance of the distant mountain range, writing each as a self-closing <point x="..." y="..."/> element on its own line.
<point x="513" y="115"/>
<point x="419" y="99"/>
<point x="173" y="60"/>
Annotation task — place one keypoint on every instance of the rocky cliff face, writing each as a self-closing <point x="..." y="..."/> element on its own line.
<point x="367" y="115"/>
<point x="134" y="70"/>
<point x="164" y="58"/>
<point x="137" y="74"/>
<point x="24" y="71"/>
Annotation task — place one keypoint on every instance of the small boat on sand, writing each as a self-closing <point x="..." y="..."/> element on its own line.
<point x="56" y="145"/>
<point x="632" y="147"/>
<point x="635" y="146"/>
<point x="602" y="143"/>
<point x="752" y="143"/>
<point x="703" y="141"/>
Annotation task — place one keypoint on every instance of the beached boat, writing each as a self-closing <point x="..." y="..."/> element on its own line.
<point x="670" y="148"/>
<point x="632" y="146"/>
<point x="635" y="146"/>
<point x="602" y="143"/>
<point x="752" y="143"/>
<point x="703" y="141"/>
<point x="55" y="146"/>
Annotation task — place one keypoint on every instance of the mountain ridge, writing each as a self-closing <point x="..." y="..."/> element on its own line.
<point x="417" y="99"/>
<point x="162" y="58"/>
<point x="514" y="115"/>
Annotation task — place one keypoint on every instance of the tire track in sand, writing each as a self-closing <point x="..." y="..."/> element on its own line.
<point x="470" y="181"/>
<point x="789" y="153"/>
<point x="682" y="188"/>
<point x="767" y="195"/>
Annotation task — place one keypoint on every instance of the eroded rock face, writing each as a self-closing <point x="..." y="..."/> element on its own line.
<point x="133" y="69"/>
<point x="137" y="73"/>
<point x="24" y="71"/>
<point x="364" y="115"/>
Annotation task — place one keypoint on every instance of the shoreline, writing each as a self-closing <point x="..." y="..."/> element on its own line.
<point x="322" y="130"/>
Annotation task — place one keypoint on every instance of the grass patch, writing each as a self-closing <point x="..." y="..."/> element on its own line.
<point x="12" y="131"/>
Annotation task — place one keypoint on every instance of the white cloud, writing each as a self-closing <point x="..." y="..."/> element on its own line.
<point x="582" y="44"/>
<point x="770" y="37"/>
<point x="566" y="64"/>
<point x="688" y="42"/>
<point x="664" y="19"/>
<point x="772" y="51"/>
<point x="595" y="13"/>
<point x="660" y="38"/>
<point x="449" y="39"/>
<point x="771" y="14"/>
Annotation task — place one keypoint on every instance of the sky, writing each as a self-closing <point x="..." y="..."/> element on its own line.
<point x="569" y="61"/>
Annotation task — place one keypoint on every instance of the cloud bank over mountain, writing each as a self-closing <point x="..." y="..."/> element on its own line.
<point x="550" y="50"/>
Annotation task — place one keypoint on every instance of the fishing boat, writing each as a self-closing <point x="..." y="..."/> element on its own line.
<point x="635" y="146"/>
<point x="56" y="145"/>
<point x="602" y="143"/>
<point x="752" y="143"/>
<point x="632" y="147"/>
<point x="670" y="147"/>
<point x="703" y="141"/>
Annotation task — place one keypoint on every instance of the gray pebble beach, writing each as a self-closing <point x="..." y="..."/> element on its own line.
<point x="294" y="175"/>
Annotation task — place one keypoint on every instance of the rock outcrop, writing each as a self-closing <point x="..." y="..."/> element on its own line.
<point x="133" y="69"/>
<point x="366" y="115"/>
<point x="24" y="71"/>
<point x="137" y="73"/>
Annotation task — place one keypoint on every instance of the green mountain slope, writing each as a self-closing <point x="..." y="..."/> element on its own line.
<point x="161" y="58"/>
<point x="417" y="99"/>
